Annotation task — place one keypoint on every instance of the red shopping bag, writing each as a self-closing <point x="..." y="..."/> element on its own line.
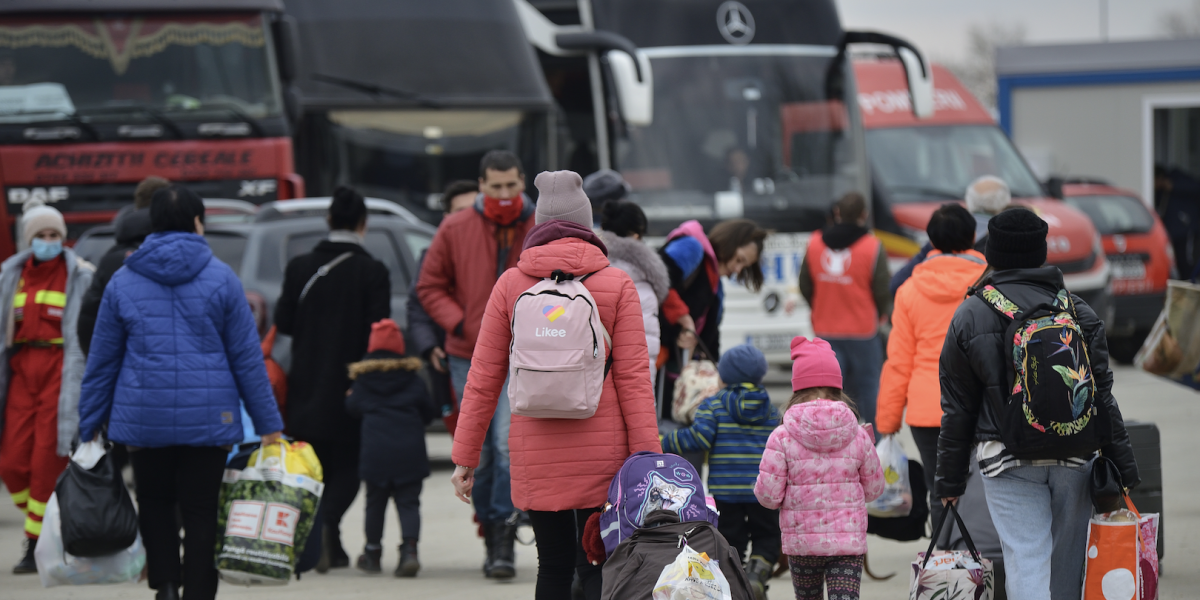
<point x="1122" y="556"/>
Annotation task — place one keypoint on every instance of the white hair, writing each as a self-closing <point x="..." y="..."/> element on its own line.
<point x="988" y="195"/>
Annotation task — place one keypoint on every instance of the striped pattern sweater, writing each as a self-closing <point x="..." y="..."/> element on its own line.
<point x="733" y="427"/>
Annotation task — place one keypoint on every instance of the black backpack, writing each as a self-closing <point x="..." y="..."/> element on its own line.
<point x="912" y="527"/>
<point x="634" y="567"/>
<point x="1050" y="412"/>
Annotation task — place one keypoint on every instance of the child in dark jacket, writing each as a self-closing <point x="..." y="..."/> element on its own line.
<point x="733" y="427"/>
<point x="394" y="405"/>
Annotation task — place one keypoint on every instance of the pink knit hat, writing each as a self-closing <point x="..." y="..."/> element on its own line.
<point x="815" y="364"/>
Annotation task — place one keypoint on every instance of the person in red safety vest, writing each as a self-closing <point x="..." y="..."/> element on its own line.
<point x="844" y="278"/>
<point x="41" y="289"/>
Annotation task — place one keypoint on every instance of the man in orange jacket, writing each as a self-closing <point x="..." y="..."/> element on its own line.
<point x="925" y="304"/>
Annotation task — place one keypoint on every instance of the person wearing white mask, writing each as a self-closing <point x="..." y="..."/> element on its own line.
<point x="41" y="289"/>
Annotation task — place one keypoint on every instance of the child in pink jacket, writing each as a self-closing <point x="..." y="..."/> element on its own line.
<point x="821" y="469"/>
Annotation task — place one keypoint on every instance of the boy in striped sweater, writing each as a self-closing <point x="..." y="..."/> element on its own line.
<point x="733" y="427"/>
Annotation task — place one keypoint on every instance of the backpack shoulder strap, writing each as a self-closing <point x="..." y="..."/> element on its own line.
<point x="322" y="271"/>
<point x="998" y="302"/>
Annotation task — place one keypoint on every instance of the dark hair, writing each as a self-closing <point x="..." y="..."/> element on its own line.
<point x="348" y="210"/>
<point x="458" y="188"/>
<point x="175" y="208"/>
<point x="623" y="218"/>
<point x="951" y="228"/>
<point x="727" y="236"/>
<point x="145" y="191"/>
<point x="851" y="207"/>
<point x="500" y="160"/>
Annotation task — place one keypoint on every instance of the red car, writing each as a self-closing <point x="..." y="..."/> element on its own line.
<point x="1139" y="252"/>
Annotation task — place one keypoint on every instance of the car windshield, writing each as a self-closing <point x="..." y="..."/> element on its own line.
<point x="920" y="164"/>
<point x="761" y="134"/>
<point x="1115" y="214"/>
<point x="168" y="63"/>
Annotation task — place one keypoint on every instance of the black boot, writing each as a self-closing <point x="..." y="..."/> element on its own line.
<point x="409" y="565"/>
<point x="168" y="592"/>
<point x="368" y="561"/>
<point x="504" y="536"/>
<point x="27" y="564"/>
<point x="759" y="573"/>
<point x="490" y="543"/>
<point x="338" y="559"/>
<point x="326" y="558"/>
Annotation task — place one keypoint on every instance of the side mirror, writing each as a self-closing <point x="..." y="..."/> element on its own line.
<point x="636" y="95"/>
<point x="920" y="81"/>
<point x="1054" y="187"/>
<point x="287" y="47"/>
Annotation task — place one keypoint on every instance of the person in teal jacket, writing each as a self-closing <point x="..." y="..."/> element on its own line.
<point x="733" y="427"/>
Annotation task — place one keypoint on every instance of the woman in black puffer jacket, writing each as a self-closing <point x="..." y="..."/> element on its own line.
<point x="1040" y="504"/>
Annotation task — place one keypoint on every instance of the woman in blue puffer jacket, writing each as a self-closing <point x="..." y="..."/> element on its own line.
<point x="174" y="354"/>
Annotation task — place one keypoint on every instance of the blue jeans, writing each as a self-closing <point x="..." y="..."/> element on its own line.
<point x="1041" y="515"/>
<point x="862" y="363"/>
<point x="492" y="494"/>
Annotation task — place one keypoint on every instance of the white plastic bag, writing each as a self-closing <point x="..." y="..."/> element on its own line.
<point x="897" y="497"/>
<point x="692" y="576"/>
<point x="56" y="567"/>
<point x="88" y="454"/>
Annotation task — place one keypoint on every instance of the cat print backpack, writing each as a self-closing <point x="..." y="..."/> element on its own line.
<point x="559" y="354"/>
<point x="648" y="482"/>
<point x="1050" y="411"/>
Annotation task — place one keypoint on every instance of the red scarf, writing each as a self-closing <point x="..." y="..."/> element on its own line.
<point x="502" y="212"/>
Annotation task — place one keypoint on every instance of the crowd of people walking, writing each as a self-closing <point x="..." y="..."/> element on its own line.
<point x="157" y="351"/>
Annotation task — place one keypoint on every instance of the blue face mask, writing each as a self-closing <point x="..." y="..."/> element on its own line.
<point x="44" y="251"/>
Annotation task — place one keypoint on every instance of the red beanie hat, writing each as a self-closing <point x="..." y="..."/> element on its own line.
<point x="815" y="364"/>
<point x="385" y="335"/>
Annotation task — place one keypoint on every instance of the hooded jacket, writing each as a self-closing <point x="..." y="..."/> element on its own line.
<point x="176" y="352"/>
<point x="462" y="266"/>
<point x="733" y="427"/>
<point x="390" y="397"/>
<point x="821" y="470"/>
<point x="975" y="384"/>
<point x="561" y="464"/>
<point x="130" y="228"/>
<point x="840" y="236"/>
<point x="696" y="288"/>
<point x="649" y="276"/>
<point x="79" y="277"/>
<point x="924" y="306"/>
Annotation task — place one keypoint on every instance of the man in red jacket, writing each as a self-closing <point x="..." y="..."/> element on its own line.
<point x="470" y="251"/>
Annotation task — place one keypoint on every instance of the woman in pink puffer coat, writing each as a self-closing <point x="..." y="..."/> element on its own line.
<point x="821" y="469"/>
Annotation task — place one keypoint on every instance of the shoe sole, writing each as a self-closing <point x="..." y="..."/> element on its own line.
<point x="408" y="571"/>
<point x="503" y="572"/>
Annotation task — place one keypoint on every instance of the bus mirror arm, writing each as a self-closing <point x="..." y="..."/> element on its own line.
<point x="600" y="40"/>
<point x="916" y="68"/>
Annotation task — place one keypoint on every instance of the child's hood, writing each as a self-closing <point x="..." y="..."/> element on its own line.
<point x="384" y="373"/>
<point x="748" y="404"/>
<point x="821" y="425"/>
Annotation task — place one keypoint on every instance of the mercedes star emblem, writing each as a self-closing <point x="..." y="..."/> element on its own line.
<point x="735" y="22"/>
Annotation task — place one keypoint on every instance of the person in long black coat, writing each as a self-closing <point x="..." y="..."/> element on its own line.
<point x="330" y="327"/>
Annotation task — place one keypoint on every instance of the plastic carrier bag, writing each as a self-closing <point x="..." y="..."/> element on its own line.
<point x="897" y="497"/>
<point x="56" y="567"/>
<point x="692" y="576"/>
<point x="267" y="512"/>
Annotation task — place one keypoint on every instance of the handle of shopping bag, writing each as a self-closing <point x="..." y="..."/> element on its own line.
<point x="262" y="450"/>
<point x="937" y="532"/>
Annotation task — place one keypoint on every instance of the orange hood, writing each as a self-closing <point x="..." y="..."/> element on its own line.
<point x="943" y="278"/>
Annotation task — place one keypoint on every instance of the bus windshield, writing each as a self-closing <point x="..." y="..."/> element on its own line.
<point x="761" y="133"/>
<point x="52" y="67"/>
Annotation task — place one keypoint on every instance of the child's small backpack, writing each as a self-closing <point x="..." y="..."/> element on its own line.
<point x="648" y="482"/>
<point x="559" y="354"/>
<point x="1050" y="411"/>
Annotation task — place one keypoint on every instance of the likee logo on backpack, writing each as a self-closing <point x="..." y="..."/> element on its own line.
<point x="553" y="312"/>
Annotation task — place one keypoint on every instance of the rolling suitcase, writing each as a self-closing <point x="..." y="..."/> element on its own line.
<point x="1148" y="495"/>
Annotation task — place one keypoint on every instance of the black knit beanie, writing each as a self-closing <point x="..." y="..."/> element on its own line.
<point x="1016" y="240"/>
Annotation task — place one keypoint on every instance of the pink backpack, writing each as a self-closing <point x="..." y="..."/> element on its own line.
<point x="558" y="358"/>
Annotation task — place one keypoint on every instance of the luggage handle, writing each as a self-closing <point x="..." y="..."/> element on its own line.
<point x="937" y="531"/>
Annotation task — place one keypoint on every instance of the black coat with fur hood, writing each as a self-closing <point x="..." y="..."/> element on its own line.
<point x="394" y="405"/>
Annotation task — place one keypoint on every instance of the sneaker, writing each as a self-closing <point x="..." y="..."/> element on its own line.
<point x="27" y="564"/>
<point x="368" y="561"/>
<point x="409" y="565"/>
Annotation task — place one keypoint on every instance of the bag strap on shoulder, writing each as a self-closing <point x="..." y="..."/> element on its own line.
<point x="999" y="302"/>
<point x="322" y="271"/>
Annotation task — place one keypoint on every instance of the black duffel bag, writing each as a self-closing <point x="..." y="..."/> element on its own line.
<point x="98" y="518"/>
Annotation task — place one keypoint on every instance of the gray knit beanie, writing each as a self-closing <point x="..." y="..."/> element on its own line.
<point x="36" y="217"/>
<point x="560" y="196"/>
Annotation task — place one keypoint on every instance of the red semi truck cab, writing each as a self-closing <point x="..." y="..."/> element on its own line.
<point x="97" y="95"/>
<point x="918" y="165"/>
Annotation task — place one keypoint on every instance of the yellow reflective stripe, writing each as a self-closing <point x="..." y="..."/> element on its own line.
<point x="51" y="298"/>
<point x="33" y="527"/>
<point x="19" y="300"/>
<point x="20" y="497"/>
<point x="36" y="508"/>
<point x="56" y="341"/>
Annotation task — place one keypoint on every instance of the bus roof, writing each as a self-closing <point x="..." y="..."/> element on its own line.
<point x="884" y="101"/>
<point x="93" y="6"/>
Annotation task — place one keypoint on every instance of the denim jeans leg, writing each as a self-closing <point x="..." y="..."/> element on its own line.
<point x="1071" y="507"/>
<point x="862" y="363"/>
<point x="1020" y="502"/>
<point x="481" y="493"/>
<point x="501" y="491"/>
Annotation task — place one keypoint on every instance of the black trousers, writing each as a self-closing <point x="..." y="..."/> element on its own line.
<point x="188" y="478"/>
<point x="926" y="439"/>
<point x="560" y="554"/>
<point x="339" y="462"/>
<point x="743" y="523"/>
<point x="408" y="505"/>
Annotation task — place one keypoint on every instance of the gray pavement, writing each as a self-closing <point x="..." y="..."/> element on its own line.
<point x="451" y="554"/>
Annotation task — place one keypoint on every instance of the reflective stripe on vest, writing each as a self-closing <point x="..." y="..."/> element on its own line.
<point x="47" y="297"/>
<point x="843" y="302"/>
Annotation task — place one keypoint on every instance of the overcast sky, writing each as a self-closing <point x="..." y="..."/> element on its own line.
<point x="939" y="27"/>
